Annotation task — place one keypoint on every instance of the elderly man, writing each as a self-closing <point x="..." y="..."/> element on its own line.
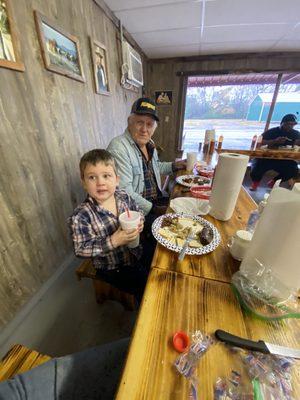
<point x="137" y="159"/>
<point x="283" y="135"/>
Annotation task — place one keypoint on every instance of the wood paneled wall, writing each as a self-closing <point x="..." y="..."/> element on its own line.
<point x="163" y="75"/>
<point x="47" y="121"/>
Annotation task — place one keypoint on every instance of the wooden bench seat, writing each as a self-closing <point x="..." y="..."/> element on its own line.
<point x="104" y="291"/>
<point x="20" y="359"/>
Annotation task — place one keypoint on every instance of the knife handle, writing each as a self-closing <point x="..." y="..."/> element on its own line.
<point x="241" y="342"/>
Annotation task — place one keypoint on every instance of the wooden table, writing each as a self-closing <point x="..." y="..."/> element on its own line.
<point x="218" y="265"/>
<point x="174" y="302"/>
<point x="280" y="154"/>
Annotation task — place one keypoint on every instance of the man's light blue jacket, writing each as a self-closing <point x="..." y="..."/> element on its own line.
<point x="130" y="168"/>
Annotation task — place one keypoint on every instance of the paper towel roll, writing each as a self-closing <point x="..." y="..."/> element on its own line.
<point x="275" y="242"/>
<point x="227" y="183"/>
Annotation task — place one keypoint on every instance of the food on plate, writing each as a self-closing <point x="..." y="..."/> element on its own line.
<point x="196" y="180"/>
<point x="177" y="229"/>
<point x="205" y="236"/>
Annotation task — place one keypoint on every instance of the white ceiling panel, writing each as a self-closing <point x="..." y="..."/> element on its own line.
<point x="174" y="28"/>
<point x="235" y="47"/>
<point x="225" y="12"/>
<point x="245" y="32"/>
<point x="176" y="51"/>
<point x="161" y="17"/>
<point x="286" y="45"/>
<point x="169" y="38"/>
<point x="121" y="5"/>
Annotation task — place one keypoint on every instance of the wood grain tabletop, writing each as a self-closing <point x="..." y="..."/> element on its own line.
<point x="280" y="154"/>
<point x="174" y="302"/>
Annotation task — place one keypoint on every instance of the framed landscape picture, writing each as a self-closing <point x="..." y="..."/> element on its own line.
<point x="100" y="66"/>
<point x="60" y="50"/>
<point x="9" y="46"/>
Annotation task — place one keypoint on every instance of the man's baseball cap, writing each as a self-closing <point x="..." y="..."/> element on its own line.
<point x="289" y="118"/>
<point x="145" y="106"/>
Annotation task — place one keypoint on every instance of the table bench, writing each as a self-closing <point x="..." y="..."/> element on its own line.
<point x="104" y="291"/>
<point x="20" y="359"/>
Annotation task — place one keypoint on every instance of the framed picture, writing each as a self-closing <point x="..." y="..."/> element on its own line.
<point x="100" y="65"/>
<point x="9" y="45"/>
<point x="163" y="97"/>
<point x="60" y="50"/>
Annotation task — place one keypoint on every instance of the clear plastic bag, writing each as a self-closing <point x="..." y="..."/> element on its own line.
<point x="261" y="293"/>
<point x="187" y="362"/>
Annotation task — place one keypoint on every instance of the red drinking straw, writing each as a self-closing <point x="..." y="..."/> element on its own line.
<point x="128" y="213"/>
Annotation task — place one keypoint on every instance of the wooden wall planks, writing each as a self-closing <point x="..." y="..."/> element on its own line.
<point x="47" y="122"/>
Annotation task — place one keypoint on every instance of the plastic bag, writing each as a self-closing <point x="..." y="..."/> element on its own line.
<point x="188" y="205"/>
<point x="261" y="293"/>
<point x="187" y="362"/>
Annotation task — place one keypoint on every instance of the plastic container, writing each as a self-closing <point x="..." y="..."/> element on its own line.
<point x="239" y="244"/>
<point x="201" y="192"/>
<point x="255" y="215"/>
<point x="131" y="222"/>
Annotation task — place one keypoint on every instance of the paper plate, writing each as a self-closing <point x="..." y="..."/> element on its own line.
<point x="196" y="180"/>
<point x="191" y="251"/>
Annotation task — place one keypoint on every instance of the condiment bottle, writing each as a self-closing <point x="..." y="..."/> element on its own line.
<point x="253" y="143"/>
<point x="211" y="146"/>
<point x="259" y="142"/>
<point x="220" y="142"/>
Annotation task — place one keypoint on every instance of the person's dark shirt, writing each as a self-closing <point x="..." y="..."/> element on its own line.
<point x="274" y="133"/>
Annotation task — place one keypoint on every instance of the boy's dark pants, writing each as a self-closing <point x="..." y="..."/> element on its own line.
<point x="131" y="279"/>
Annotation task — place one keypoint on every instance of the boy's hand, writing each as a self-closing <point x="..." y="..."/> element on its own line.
<point x="141" y="226"/>
<point x="121" y="238"/>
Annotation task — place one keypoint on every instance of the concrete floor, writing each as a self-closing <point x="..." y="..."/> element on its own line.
<point x="67" y="319"/>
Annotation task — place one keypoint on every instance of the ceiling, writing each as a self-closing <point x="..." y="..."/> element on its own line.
<point x="175" y="28"/>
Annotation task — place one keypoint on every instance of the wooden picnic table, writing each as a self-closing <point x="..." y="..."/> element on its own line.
<point x="188" y="296"/>
<point x="174" y="302"/>
<point x="277" y="154"/>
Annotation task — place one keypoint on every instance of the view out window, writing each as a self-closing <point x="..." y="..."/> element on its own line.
<point x="235" y="107"/>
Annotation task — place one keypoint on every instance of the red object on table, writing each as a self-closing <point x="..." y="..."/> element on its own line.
<point x="181" y="341"/>
<point x="201" y="192"/>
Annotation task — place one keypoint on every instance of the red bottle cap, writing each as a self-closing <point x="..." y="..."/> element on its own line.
<point x="181" y="341"/>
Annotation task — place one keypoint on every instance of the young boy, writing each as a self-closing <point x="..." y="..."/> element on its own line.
<point x="95" y="227"/>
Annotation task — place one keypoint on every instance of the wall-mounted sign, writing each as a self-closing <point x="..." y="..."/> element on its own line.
<point x="163" y="97"/>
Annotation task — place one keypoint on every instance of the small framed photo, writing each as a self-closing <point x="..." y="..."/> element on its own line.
<point x="163" y="97"/>
<point x="100" y="66"/>
<point x="9" y="45"/>
<point x="60" y="50"/>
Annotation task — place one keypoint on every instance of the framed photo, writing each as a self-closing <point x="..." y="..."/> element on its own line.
<point x="60" y="50"/>
<point x="100" y="65"/>
<point x="9" y="45"/>
<point x="163" y="97"/>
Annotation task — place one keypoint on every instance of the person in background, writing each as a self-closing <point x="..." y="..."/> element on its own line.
<point x="95" y="227"/>
<point x="137" y="160"/>
<point x="287" y="170"/>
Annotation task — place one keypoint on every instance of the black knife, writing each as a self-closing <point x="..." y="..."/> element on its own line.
<point x="260" y="346"/>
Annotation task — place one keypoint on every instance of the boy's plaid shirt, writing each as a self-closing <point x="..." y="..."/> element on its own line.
<point x="92" y="226"/>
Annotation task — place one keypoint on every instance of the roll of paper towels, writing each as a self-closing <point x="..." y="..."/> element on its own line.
<point x="227" y="183"/>
<point x="275" y="243"/>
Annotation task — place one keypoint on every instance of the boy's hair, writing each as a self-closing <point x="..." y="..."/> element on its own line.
<point x="94" y="157"/>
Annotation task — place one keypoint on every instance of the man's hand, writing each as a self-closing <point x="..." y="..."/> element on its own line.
<point x="179" y="165"/>
<point x="280" y="140"/>
<point x="121" y="238"/>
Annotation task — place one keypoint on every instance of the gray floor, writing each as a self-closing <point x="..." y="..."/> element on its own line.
<point x="68" y="319"/>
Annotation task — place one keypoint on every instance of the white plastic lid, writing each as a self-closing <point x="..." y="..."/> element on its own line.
<point x="244" y="235"/>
